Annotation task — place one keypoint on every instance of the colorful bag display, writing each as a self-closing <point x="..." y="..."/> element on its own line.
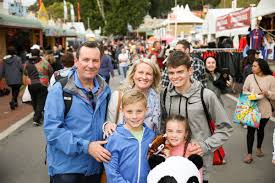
<point x="247" y="112"/>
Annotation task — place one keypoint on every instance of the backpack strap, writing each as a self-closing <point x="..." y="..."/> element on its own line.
<point x="67" y="97"/>
<point x="206" y="112"/>
<point x="57" y="76"/>
<point x="164" y="96"/>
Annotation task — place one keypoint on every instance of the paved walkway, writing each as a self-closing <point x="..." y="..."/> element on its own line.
<point x="9" y="117"/>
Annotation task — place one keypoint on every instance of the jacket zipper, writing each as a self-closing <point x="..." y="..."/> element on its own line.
<point x="139" y="160"/>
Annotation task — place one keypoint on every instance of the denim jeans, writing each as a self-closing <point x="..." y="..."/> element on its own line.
<point x="123" y="71"/>
<point x="74" y="178"/>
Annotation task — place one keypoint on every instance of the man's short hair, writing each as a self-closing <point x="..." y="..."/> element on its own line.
<point x="89" y="44"/>
<point x="67" y="60"/>
<point x="133" y="96"/>
<point x="185" y="44"/>
<point x="178" y="58"/>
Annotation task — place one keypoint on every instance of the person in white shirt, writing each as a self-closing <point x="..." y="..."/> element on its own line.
<point x="123" y="59"/>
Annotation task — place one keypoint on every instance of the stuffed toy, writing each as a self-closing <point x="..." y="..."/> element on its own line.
<point x="156" y="148"/>
<point x="177" y="169"/>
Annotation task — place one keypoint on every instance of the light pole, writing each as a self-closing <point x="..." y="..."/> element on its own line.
<point x="176" y="20"/>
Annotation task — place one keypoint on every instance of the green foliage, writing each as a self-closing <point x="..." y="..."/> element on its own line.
<point x="160" y="8"/>
<point x="118" y="13"/>
<point x="121" y="12"/>
<point x="240" y="3"/>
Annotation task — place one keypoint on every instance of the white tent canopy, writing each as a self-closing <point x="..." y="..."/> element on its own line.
<point x="265" y="7"/>
<point x="184" y="15"/>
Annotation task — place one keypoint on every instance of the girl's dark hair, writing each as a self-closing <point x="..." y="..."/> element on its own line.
<point x="188" y="135"/>
<point x="264" y="66"/>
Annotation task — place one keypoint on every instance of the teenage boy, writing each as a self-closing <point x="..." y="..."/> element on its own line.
<point x="130" y="142"/>
<point x="182" y="96"/>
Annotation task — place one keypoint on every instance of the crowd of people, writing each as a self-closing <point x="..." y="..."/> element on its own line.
<point x="87" y="125"/>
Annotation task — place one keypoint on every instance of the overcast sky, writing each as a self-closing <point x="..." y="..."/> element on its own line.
<point x="25" y="2"/>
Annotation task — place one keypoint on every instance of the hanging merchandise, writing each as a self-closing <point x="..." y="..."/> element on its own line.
<point x="256" y="38"/>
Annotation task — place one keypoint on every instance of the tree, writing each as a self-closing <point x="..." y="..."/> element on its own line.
<point x="120" y="13"/>
<point x="160" y="8"/>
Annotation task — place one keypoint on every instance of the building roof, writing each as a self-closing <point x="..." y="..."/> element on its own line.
<point x="19" y="22"/>
<point x="265" y="7"/>
<point x="184" y="15"/>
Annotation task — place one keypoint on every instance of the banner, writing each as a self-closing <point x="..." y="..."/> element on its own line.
<point x="237" y="19"/>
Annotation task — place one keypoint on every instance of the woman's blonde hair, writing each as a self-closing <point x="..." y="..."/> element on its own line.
<point x="129" y="83"/>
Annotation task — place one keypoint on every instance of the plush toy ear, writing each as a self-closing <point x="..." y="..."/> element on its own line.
<point x="155" y="160"/>
<point x="197" y="160"/>
<point x="167" y="179"/>
<point x="193" y="179"/>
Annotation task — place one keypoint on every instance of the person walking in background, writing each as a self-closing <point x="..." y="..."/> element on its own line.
<point x="159" y="52"/>
<point x="130" y="143"/>
<point x="68" y="61"/>
<point x="37" y="73"/>
<point x="74" y="139"/>
<point x="261" y="82"/>
<point x="55" y="63"/>
<point x="12" y="72"/>
<point x="123" y="59"/>
<point x="106" y="67"/>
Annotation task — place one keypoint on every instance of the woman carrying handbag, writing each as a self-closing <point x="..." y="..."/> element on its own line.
<point x="262" y="84"/>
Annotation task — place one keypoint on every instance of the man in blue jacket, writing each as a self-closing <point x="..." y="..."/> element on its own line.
<point x="75" y="149"/>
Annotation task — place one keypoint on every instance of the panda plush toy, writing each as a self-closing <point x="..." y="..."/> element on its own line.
<point x="177" y="169"/>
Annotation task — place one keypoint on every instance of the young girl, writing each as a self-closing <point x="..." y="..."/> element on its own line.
<point x="178" y="137"/>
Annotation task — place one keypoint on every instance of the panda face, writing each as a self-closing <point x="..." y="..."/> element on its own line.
<point x="175" y="168"/>
<point x="193" y="179"/>
<point x="170" y="179"/>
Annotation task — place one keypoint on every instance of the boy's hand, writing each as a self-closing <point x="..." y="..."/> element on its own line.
<point x="273" y="161"/>
<point x="96" y="150"/>
<point x="109" y="129"/>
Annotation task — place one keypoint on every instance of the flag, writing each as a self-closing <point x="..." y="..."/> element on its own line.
<point x="65" y="10"/>
<point x="78" y="10"/>
<point x="42" y="14"/>
<point x="39" y="3"/>
<point x="72" y="13"/>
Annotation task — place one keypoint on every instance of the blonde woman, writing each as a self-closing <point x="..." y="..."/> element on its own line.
<point x="143" y="75"/>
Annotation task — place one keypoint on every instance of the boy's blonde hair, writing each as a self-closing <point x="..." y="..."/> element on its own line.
<point x="133" y="96"/>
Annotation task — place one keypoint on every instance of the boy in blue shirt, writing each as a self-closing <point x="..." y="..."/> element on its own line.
<point x="130" y="142"/>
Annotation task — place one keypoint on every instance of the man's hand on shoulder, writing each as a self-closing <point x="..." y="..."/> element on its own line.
<point x="97" y="150"/>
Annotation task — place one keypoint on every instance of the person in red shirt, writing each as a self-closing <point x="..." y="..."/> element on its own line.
<point x="158" y="51"/>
